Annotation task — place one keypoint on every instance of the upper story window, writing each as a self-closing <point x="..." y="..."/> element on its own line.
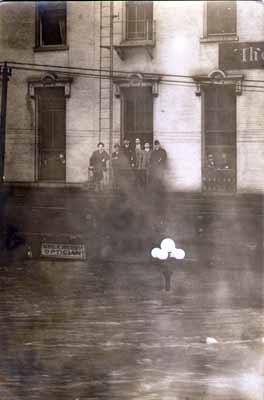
<point x="220" y="21"/>
<point x="138" y="28"/>
<point x="51" y="24"/>
<point x="221" y="17"/>
<point x="139" y="20"/>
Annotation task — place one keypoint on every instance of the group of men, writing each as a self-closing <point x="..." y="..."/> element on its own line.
<point x="138" y="165"/>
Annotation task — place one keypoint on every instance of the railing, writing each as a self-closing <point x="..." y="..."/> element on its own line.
<point x="219" y="180"/>
<point x="125" y="179"/>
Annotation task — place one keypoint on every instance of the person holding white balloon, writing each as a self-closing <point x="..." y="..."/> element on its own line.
<point x="167" y="251"/>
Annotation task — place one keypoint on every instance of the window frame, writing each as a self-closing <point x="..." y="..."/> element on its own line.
<point x="217" y="37"/>
<point x="39" y="47"/>
<point x="148" y="37"/>
<point x="124" y="92"/>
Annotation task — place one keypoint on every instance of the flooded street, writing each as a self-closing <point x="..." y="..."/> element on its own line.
<point x="125" y="125"/>
<point x="109" y="330"/>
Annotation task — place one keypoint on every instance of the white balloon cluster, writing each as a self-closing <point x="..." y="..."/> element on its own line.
<point x="167" y="250"/>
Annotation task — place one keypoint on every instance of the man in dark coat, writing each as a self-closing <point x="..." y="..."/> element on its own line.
<point x="127" y="176"/>
<point x="157" y="164"/>
<point x="118" y="162"/>
<point x="98" y="161"/>
<point x="146" y="162"/>
<point x="139" y="172"/>
<point x="138" y="153"/>
<point x="129" y="154"/>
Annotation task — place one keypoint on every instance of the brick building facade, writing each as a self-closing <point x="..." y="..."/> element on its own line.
<point x="186" y="73"/>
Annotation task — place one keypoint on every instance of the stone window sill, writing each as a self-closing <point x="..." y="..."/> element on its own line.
<point x="227" y="37"/>
<point x="137" y="43"/>
<point x="59" y="47"/>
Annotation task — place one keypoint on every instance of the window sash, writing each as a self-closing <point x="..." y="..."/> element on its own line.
<point x="51" y="24"/>
<point x="221" y="17"/>
<point x="139" y="20"/>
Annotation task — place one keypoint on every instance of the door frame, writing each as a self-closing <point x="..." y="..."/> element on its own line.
<point x="123" y="116"/>
<point x="53" y="81"/>
<point x="49" y="151"/>
<point x="203" y="145"/>
<point x="134" y="80"/>
<point x="217" y="77"/>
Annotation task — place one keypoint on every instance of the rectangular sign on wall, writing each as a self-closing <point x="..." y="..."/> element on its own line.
<point x="241" y="55"/>
<point x="68" y="251"/>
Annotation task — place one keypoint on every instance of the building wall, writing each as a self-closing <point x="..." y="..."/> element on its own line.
<point x="250" y="123"/>
<point x="177" y="110"/>
<point x="17" y="40"/>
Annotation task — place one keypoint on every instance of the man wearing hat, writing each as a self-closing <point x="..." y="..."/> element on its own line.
<point x="138" y="153"/>
<point x="127" y="162"/>
<point x="98" y="162"/>
<point x="119" y="164"/>
<point x="139" y="178"/>
<point x="129" y="154"/>
<point x="146" y="162"/>
<point x="157" y="163"/>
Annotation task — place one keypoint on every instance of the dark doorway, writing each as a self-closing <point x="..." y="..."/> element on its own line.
<point x="51" y="134"/>
<point x="219" y="138"/>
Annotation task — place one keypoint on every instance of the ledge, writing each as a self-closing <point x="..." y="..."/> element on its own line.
<point x="218" y="77"/>
<point x="57" y="184"/>
<point x="219" y="38"/>
<point x="136" y="43"/>
<point x="130" y="44"/>
<point x="49" y="80"/>
<point x="40" y="49"/>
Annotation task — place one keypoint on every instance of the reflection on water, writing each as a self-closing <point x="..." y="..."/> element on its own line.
<point x="110" y="331"/>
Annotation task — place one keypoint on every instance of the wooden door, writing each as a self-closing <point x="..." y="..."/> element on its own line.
<point x="51" y="134"/>
<point x="219" y="139"/>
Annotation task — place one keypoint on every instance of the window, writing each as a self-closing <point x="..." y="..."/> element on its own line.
<point x="139" y="20"/>
<point x="51" y="23"/>
<point x="221" y="17"/>
<point x="219" y="139"/>
<point x="138" y="114"/>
